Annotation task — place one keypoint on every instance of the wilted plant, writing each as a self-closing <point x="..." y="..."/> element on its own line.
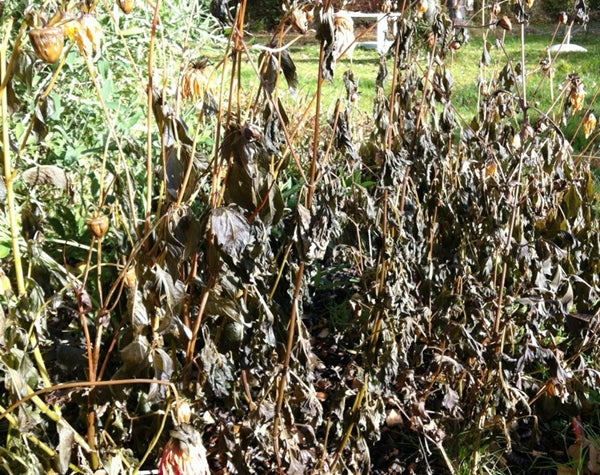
<point x="323" y="304"/>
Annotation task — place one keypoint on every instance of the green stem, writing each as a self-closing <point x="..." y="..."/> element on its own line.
<point x="35" y="441"/>
<point x="153" y="442"/>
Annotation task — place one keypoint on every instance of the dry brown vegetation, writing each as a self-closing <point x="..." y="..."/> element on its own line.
<point x="198" y="270"/>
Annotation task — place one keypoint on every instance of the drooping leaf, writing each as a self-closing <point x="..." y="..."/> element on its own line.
<point x="231" y="230"/>
<point x="485" y="54"/>
<point x="136" y="353"/>
<point x="162" y="366"/>
<point x="216" y="368"/>
<point x="221" y="11"/>
<point x="242" y="142"/>
<point x="51" y="175"/>
<point x="382" y="72"/>
<point x="343" y="137"/>
<point x="325" y="35"/>
<point x="65" y="446"/>
<point x="351" y="85"/>
<point x="173" y="129"/>
<point x="276" y="62"/>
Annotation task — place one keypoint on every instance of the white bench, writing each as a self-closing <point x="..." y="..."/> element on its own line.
<point x="382" y="43"/>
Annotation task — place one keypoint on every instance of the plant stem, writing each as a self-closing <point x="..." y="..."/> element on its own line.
<point x="35" y="441"/>
<point x="149" y="166"/>
<point x="9" y="174"/>
<point x="300" y="273"/>
<point x="34" y="395"/>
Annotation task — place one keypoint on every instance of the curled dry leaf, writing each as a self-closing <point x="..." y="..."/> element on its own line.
<point x="298" y="18"/>
<point x="325" y="34"/>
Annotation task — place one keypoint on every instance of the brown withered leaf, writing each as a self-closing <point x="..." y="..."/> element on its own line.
<point x="231" y="230"/>
<point x="325" y="34"/>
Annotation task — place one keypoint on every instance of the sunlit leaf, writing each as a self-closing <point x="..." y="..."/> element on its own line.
<point x="231" y="230"/>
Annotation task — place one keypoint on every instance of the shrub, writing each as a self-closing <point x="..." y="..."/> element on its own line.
<point x="191" y="261"/>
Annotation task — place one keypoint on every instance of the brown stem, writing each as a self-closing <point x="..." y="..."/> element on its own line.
<point x="149" y="166"/>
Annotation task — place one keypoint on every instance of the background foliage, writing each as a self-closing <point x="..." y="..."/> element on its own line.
<point x="196" y="250"/>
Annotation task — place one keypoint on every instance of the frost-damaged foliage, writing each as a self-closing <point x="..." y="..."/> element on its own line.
<point x="320" y="306"/>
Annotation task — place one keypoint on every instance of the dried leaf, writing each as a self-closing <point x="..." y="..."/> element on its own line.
<point x="231" y="230"/>
<point x="47" y="175"/>
<point x="325" y="35"/>
<point x="136" y="353"/>
<point x="65" y="446"/>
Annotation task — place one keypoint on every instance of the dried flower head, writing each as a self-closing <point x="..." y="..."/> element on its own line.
<point x="589" y="123"/>
<point x="47" y="43"/>
<point x="529" y="3"/>
<point x="195" y="80"/>
<point x="184" y="453"/>
<point x="422" y="6"/>
<point x="98" y="225"/>
<point x="86" y="32"/>
<point x="126" y="5"/>
<point x="505" y="23"/>
<point x="576" y="92"/>
<point x="563" y="18"/>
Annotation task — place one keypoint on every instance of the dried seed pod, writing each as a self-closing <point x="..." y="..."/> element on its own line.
<point x="529" y="3"/>
<point x="87" y="34"/>
<point x="126" y="5"/>
<point x="589" y="123"/>
<point x="516" y="142"/>
<point x="563" y="18"/>
<point x="130" y="278"/>
<point x="98" y="225"/>
<point x="545" y="64"/>
<point x="496" y="9"/>
<point x="431" y="39"/>
<point x="576" y="94"/>
<point x="491" y="167"/>
<point x="422" y="6"/>
<point x="505" y="23"/>
<point x="455" y="45"/>
<point x="5" y="287"/>
<point x="47" y="43"/>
